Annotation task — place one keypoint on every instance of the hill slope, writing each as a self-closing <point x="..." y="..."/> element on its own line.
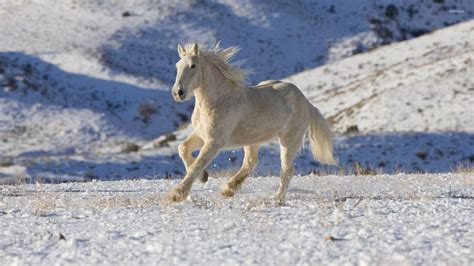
<point x="425" y="85"/>
<point x="85" y="84"/>
<point x="278" y="38"/>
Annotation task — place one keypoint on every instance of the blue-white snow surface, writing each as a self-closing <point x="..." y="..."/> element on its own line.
<point x="331" y="220"/>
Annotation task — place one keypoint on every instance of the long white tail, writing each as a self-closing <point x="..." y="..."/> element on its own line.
<point x="320" y="137"/>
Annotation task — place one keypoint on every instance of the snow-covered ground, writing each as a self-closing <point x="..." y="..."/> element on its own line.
<point x="331" y="220"/>
<point x="84" y="95"/>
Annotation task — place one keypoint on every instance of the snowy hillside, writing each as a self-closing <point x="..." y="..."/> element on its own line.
<point x="333" y="220"/>
<point x="84" y="85"/>
<point x="139" y="37"/>
<point x="85" y="96"/>
<point x="424" y="85"/>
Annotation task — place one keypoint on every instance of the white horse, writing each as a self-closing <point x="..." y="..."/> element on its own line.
<point x="229" y="114"/>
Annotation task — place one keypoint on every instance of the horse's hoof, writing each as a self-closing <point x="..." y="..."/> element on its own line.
<point x="205" y="176"/>
<point x="177" y="195"/>
<point x="227" y="192"/>
<point x="279" y="200"/>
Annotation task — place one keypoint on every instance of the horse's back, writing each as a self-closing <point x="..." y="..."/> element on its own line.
<point x="285" y="95"/>
<point x="285" y="90"/>
<point x="277" y="99"/>
<point x="267" y="82"/>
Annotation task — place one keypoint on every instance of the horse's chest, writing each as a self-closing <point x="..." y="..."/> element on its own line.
<point x="195" y="119"/>
<point x="205" y="123"/>
<point x="200" y="115"/>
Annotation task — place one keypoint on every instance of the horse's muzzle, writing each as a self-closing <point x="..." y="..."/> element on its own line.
<point x="179" y="95"/>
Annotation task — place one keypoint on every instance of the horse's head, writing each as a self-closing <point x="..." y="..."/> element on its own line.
<point x="188" y="74"/>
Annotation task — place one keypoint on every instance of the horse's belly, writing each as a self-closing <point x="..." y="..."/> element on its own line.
<point x="260" y="125"/>
<point x="244" y="136"/>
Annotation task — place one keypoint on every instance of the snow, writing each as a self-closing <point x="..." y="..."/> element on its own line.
<point x="384" y="219"/>
<point x="84" y="96"/>
<point x="84" y="87"/>
<point x="143" y="43"/>
<point x="424" y="84"/>
<point x="78" y="120"/>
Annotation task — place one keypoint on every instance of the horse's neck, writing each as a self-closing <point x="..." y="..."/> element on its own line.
<point x="214" y="86"/>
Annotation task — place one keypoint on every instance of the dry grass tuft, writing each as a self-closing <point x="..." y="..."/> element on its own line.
<point x="44" y="203"/>
<point x="129" y="147"/>
<point x="146" y="110"/>
<point x="464" y="169"/>
<point x="360" y="170"/>
<point x="356" y="169"/>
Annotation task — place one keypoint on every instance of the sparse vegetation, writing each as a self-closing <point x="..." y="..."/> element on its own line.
<point x="163" y="141"/>
<point x="83" y="84"/>
<point x="422" y="155"/>
<point x="6" y="161"/>
<point x="146" y="110"/>
<point x="352" y="130"/>
<point x="465" y="169"/>
<point x="130" y="147"/>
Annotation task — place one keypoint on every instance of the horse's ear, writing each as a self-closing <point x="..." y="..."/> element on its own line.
<point x="181" y="51"/>
<point x="195" y="49"/>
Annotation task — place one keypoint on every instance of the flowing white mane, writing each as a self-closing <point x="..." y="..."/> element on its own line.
<point x="220" y="58"/>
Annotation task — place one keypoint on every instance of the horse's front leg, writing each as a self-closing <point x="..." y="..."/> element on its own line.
<point x="207" y="153"/>
<point x="185" y="149"/>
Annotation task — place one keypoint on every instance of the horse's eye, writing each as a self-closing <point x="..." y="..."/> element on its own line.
<point x="193" y="66"/>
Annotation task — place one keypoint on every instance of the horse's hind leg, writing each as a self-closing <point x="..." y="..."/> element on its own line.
<point x="249" y="163"/>
<point x="289" y="145"/>
<point x="185" y="149"/>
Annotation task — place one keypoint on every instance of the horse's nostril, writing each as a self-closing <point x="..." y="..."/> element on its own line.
<point x="180" y="92"/>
